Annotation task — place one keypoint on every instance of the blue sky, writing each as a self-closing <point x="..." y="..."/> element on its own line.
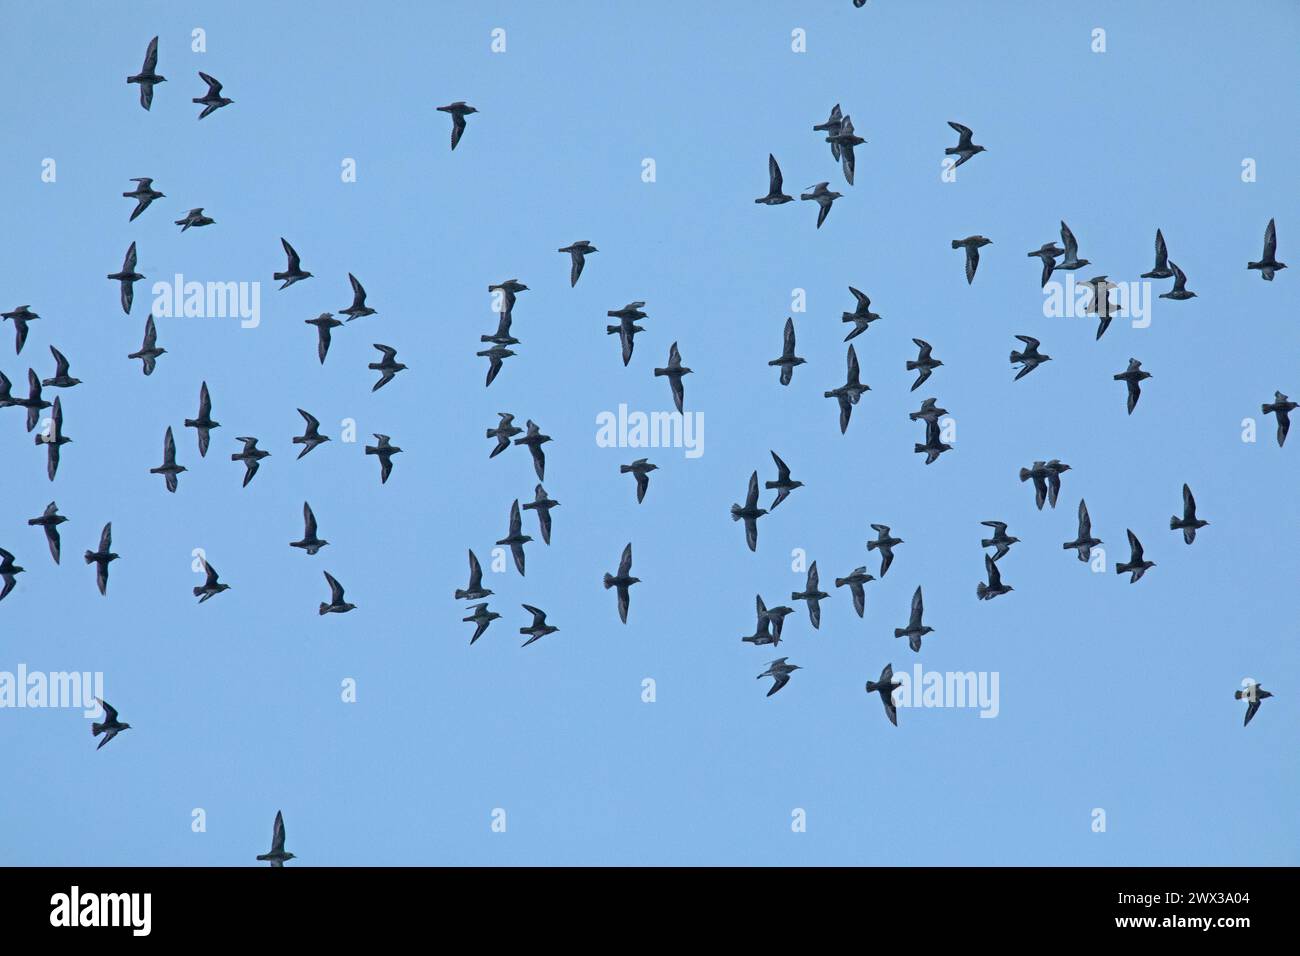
<point x="1111" y="696"/>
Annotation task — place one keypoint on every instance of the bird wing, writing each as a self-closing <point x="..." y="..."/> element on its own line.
<point x="1189" y="504"/>
<point x="972" y="262"/>
<point x="1162" y="252"/>
<point x="778" y="681"/>
<point x="751" y="534"/>
<point x="918" y="609"/>
<point x="309" y="522"/>
<point x="214" y="86"/>
<point x="150" y="334"/>
<point x="787" y="348"/>
<point x="277" y="832"/>
<point x="995" y="577"/>
<point x="1135" y="546"/>
<point x="625" y="564"/>
<point x="999" y="526"/>
<point x="294" y="261"/>
<point x="774" y="178"/>
<point x="1030" y="342"/>
<point x="515" y="520"/>
<point x="169" y="448"/>
<point x="782" y="469"/>
<point x="1270" y="241"/>
<point x="110" y="712"/>
<point x="311" y="420"/>
<point x="1068" y="240"/>
<point x="150" y="57"/>
<point x="813" y="578"/>
<point x="1180" y="278"/>
<point x="751" y="496"/>
<point x="390" y="353"/>
<point x="475" y="573"/>
<point x="60" y="363"/>
<point x="336" y="589"/>
<point x="964" y="132"/>
<point x="854" y="370"/>
<point x="1085" y="522"/>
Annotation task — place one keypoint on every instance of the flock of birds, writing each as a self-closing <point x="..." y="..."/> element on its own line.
<point x="1045" y="475"/>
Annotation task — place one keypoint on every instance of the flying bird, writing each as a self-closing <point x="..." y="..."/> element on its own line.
<point x="885" y="687"/>
<point x="508" y="290"/>
<point x="20" y="317"/>
<point x="533" y="440"/>
<point x="855" y="581"/>
<point x="506" y="429"/>
<point x="788" y="359"/>
<point x="933" y="446"/>
<point x="502" y="335"/>
<point x="1048" y="252"/>
<point x="824" y="197"/>
<point x="1137" y="565"/>
<point x="336" y="605"/>
<point x="674" y="372"/>
<point x="61" y="377"/>
<point x="780" y="673"/>
<point x="53" y="440"/>
<point x="204" y="423"/>
<point x="111" y="726"/>
<point x="1252" y="696"/>
<point x="515" y="539"/>
<point x="311" y="543"/>
<point x="1268" y="263"/>
<point x="148" y="76"/>
<point x="495" y="356"/>
<point x="925" y="363"/>
<point x="831" y="128"/>
<point x="773" y="618"/>
<point x="964" y="149"/>
<point x="293" y="272"/>
<point x="1000" y="540"/>
<point x="312" y="437"/>
<point x="845" y="138"/>
<point x="539" y="628"/>
<point x="149" y="351"/>
<point x="812" y="594"/>
<point x="387" y="367"/>
<point x="480" y="618"/>
<point x="49" y="521"/>
<point x="126" y="279"/>
<point x="783" y="484"/>
<point x="1179" y="291"/>
<point x="169" y="469"/>
<point x="775" y="182"/>
<point x="1085" y="542"/>
<point x="1282" y="407"/>
<point x="763" y="634"/>
<point x="627" y="328"/>
<point x="848" y="394"/>
<point x="1161" y="269"/>
<point x="861" y="316"/>
<point x="972" y="245"/>
<point x="211" y="587"/>
<point x="622" y="581"/>
<point x="212" y="100"/>
<point x="277" y="856"/>
<point x="8" y="572"/>
<point x="884" y="543"/>
<point x="1188" y="523"/>
<point x="143" y="194"/>
<point x="324" y="323"/>
<point x="251" y="456"/>
<point x="578" y="252"/>
<point x="750" y="513"/>
<point x="1100" y="303"/>
<point x="1071" y="260"/>
<point x="542" y="504"/>
<point x="358" y="309"/>
<point x="915" y="630"/>
<point x="1029" y="358"/>
<point x="194" y="218"/>
<point x="928" y="412"/>
<point x="458" y="110"/>
<point x="34" y="403"/>
<point x="474" y="590"/>
<point x="1047" y="480"/>
<point x="1132" y="377"/>
<point x="641" y="469"/>
<point x="103" y="558"/>
<point x="994" y="587"/>
<point x="385" y="451"/>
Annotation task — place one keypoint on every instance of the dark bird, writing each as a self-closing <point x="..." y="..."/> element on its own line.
<point x="622" y="581"/>
<point x="1054" y="469"/>
<point x="627" y="328"/>
<point x="641" y="469"/>
<point x="533" y="440"/>
<point x="7" y="399"/>
<point x="1136" y="565"/>
<point x="750" y="513"/>
<point x="763" y="634"/>
<point x="20" y="317"/>
<point x="126" y="279"/>
<point x="788" y="359"/>
<point x="846" y="139"/>
<point x="1132" y="377"/>
<point x="1085" y="542"/>
<point x="674" y="372"/>
<point x="358" y="309"/>
<point x="884" y="543"/>
<point x="1047" y="480"/>
<point x="542" y="504"/>
<point x="539" y="628"/>
<point x="1048" y="252"/>
<point x="480" y="618"/>
<point x="773" y="618"/>
<point x="1100" y="303"/>
<point x="506" y="429"/>
<point x="848" y="394"/>
<point x="578" y="252"/>
<point x="8" y="572"/>
<point x="387" y="367"/>
<point x="832" y="127"/>
<point x="336" y="603"/>
<point x="515" y="539"/>
<point x="933" y="446"/>
<point x="194" y="218"/>
<point x="34" y="403"/>
<point x="293" y="272"/>
<point x="925" y="363"/>
<point x="508" y="289"/>
<point x="54" y="440"/>
<point x="385" y="451"/>
<point x="111" y="726"/>
<point x="1029" y="358"/>
<point x="475" y="589"/>
<point x="780" y="673"/>
<point x="855" y="581"/>
<point x="502" y="335"/>
<point x="783" y="484"/>
<point x="495" y="356"/>
<point x="458" y="110"/>
<point x="964" y="148"/>
<point x="885" y="687"/>
<point x="1179" y="291"/>
<point x="103" y="558"/>
<point x="1253" y="695"/>
<point x="1161" y="269"/>
<point x="148" y="76"/>
<point x="310" y="542"/>
<point x="324" y="323"/>
<point x="251" y="456"/>
<point x="277" y="856"/>
<point x="1282" y="407"/>
<point x="49" y="521"/>
<point x="987" y="592"/>
<point x="1268" y="263"/>
<point x="813" y="595"/>
<point x="1071" y="260"/>
<point x="928" y="412"/>
<point x="149" y="351"/>
<point x="915" y="630"/>
<point x="143" y="194"/>
<point x="822" y="195"/>
<point x="861" y="316"/>
<point x="212" y="100"/>
<point x="972" y="245"/>
<point x="774" y="197"/>
<point x="204" y="423"/>
<point x="211" y="587"/>
<point x="169" y="469"/>
<point x="1000" y="540"/>
<point x="311" y="437"/>
<point x="1188" y="523"/>
<point x="61" y="377"/>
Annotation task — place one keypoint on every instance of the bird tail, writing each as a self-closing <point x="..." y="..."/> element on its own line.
<point x="735" y="512"/>
<point x="918" y="448"/>
<point x="89" y="557"/>
<point x="1238" y="695"/>
<point x="912" y="366"/>
<point x="872" y="545"/>
<point x="624" y="469"/>
<point x="839" y="582"/>
<point x="1123" y="568"/>
<point x="660" y="372"/>
<point x="97" y="729"/>
<point x="899" y="632"/>
<point x="1173" y="522"/>
<point x="872" y="687"/>
<point x="956" y="244"/>
<point x="1024" y="474"/>
<point x="609" y="581"/>
<point x="324" y="608"/>
<point x="611" y="329"/>
<point x="198" y="591"/>
<point x="980" y="590"/>
<point x="1017" y="356"/>
<point x="461" y="595"/>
